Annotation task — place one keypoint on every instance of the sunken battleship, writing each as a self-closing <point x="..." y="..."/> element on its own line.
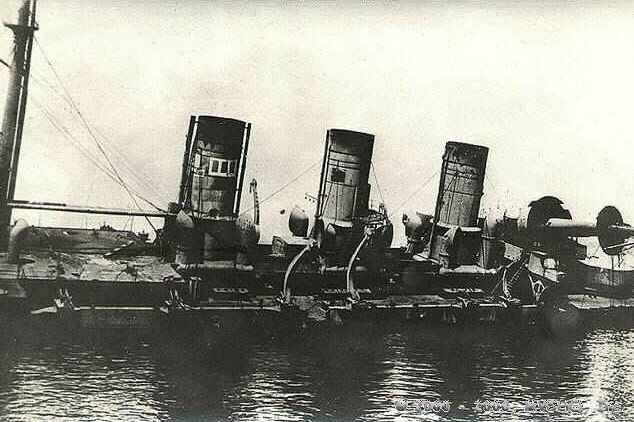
<point x="208" y="264"/>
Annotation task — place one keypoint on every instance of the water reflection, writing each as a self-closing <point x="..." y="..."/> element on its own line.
<point x="82" y="382"/>
<point x="356" y="372"/>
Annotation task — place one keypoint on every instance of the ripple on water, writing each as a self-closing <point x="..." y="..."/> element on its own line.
<point x="338" y="377"/>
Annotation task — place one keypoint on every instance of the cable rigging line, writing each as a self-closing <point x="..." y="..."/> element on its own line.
<point x="64" y="131"/>
<point x="82" y="149"/>
<point x="296" y="178"/>
<point x="414" y="193"/>
<point x="137" y="173"/>
<point x="376" y="179"/>
<point x="92" y="134"/>
<point x="82" y="118"/>
<point x="142" y="178"/>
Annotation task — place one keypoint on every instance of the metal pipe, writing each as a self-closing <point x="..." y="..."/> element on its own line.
<point x="576" y="228"/>
<point x="243" y="168"/>
<point x="286" y="292"/>
<point x="15" y="239"/>
<point x="322" y="178"/>
<point x="571" y="227"/>
<point x="623" y="230"/>
<point x="439" y="199"/>
<point x="51" y="206"/>
<point x="349" y="279"/>
<point x="188" y="143"/>
<point x="187" y="205"/>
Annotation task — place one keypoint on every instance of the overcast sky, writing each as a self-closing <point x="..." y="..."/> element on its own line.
<point x="548" y="87"/>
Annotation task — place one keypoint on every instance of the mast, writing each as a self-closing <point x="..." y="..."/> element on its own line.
<point x="14" y="111"/>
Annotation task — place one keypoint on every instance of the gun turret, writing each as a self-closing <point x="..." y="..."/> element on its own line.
<point x="549" y="224"/>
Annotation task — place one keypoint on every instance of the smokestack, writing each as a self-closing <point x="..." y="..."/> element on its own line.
<point x="344" y="191"/>
<point x="216" y="168"/>
<point x="461" y="184"/>
<point x="456" y="237"/>
<point x="213" y="183"/>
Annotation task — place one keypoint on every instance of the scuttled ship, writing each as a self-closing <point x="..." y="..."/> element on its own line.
<point x="207" y="265"/>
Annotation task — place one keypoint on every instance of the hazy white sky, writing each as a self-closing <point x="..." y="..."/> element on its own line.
<point x="547" y="86"/>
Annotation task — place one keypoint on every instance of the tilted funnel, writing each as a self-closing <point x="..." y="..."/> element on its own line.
<point x="456" y="237"/>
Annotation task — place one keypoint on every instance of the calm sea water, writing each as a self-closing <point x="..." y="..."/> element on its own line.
<point x="353" y="373"/>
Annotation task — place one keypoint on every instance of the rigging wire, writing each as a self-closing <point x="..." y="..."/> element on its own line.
<point x="86" y="124"/>
<point x="488" y="179"/>
<point x="376" y="179"/>
<point x="67" y="133"/>
<point x="64" y="131"/>
<point x="78" y="144"/>
<point x="137" y="174"/>
<point x="296" y="178"/>
<point x="92" y="134"/>
<point x="82" y="149"/>
<point x="142" y="178"/>
<point x="414" y="193"/>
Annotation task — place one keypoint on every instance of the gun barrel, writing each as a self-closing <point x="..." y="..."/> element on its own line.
<point x="576" y="228"/>
<point x="623" y="230"/>
<point x="572" y="228"/>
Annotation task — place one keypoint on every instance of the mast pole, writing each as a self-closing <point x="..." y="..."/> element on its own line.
<point x="23" y="101"/>
<point x="15" y="107"/>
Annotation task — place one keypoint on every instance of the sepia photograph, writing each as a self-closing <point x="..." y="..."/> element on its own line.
<point x="309" y="210"/>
